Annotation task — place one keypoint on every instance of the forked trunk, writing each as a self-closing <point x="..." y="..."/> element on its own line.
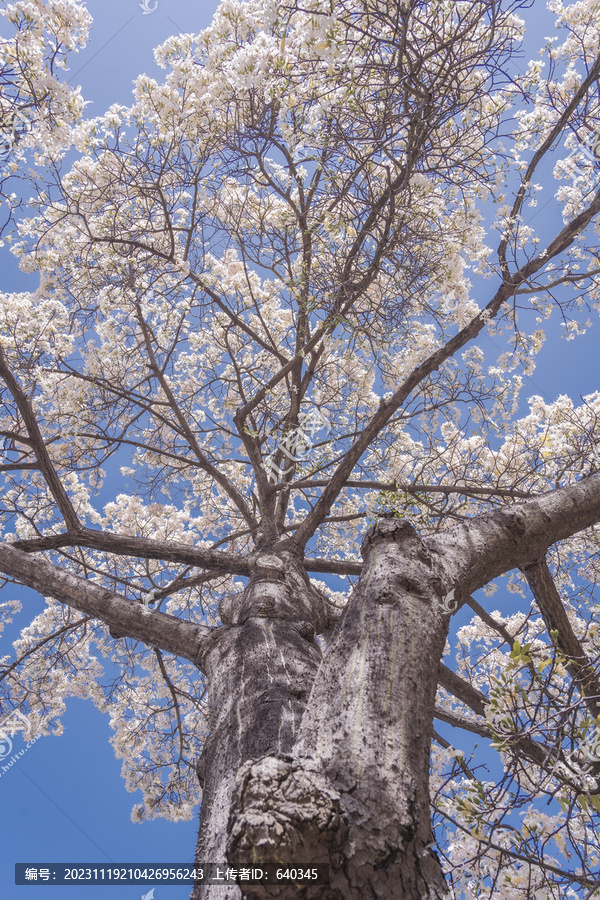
<point x="349" y="787"/>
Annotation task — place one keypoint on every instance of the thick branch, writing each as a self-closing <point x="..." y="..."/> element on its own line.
<point x="462" y="690"/>
<point x="474" y="552"/>
<point x="128" y="618"/>
<point x="17" y="467"/>
<point x="170" y="551"/>
<point x="555" y="617"/>
<point x="144" y="548"/>
<point x="490" y="621"/>
<point x="333" y="566"/>
<point x="459" y="721"/>
<point x="411" y="488"/>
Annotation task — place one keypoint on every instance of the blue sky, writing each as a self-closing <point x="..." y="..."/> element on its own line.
<point x="64" y="800"/>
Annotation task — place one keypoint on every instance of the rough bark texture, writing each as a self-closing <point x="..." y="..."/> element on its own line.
<point x="354" y="791"/>
<point x="370" y="718"/>
<point x="260" y="672"/>
<point x="351" y="786"/>
<point x="340" y="776"/>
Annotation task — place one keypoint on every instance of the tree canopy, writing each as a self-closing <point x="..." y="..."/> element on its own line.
<point x="262" y="295"/>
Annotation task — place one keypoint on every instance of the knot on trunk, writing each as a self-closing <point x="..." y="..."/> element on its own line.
<point x="266" y="600"/>
<point x="286" y="812"/>
<point x="229" y="607"/>
<point x="269" y="568"/>
<point x="514" y="521"/>
<point x="387" y="529"/>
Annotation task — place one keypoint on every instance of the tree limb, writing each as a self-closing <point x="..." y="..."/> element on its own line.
<point x="579" y="667"/>
<point x="411" y="488"/>
<point x="387" y="408"/>
<point x="46" y="466"/>
<point x="476" y="551"/>
<point x="125" y="617"/>
<point x="171" y="551"/>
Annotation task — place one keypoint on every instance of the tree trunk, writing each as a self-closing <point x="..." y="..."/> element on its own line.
<point x="350" y="787"/>
<point x="370" y="718"/>
<point x="260" y="669"/>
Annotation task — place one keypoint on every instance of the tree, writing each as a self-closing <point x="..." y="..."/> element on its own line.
<point x="261" y="292"/>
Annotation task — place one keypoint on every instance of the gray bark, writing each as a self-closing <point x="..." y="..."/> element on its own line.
<point x="353" y="792"/>
<point x="317" y="759"/>
<point x="124" y="617"/>
<point x="260" y="673"/>
<point x="350" y="785"/>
